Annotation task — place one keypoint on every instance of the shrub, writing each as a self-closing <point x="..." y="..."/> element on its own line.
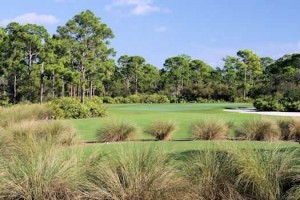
<point x="144" y="173"/>
<point x="161" y="130"/>
<point x="134" y="98"/>
<point x="42" y="172"/>
<point x="72" y="108"/>
<point x="108" y="100"/>
<point x="115" y="131"/>
<point x="209" y="130"/>
<point x="19" y="113"/>
<point x="261" y="130"/>
<point x="154" y="98"/>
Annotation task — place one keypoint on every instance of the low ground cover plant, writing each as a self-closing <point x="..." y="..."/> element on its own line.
<point x="161" y="130"/>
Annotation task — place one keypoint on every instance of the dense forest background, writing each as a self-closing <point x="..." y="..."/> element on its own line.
<point x="77" y="61"/>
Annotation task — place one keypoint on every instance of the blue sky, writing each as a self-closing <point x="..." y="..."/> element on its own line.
<point x="158" y="29"/>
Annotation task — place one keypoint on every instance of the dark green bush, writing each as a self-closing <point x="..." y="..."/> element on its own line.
<point x="132" y="99"/>
<point x="277" y="104"/>
<point x="72" y="108"/>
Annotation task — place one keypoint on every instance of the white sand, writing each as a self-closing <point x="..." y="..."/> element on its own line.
<point x="253" y="111"/>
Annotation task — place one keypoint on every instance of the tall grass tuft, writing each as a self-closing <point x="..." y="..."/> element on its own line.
<point x="261" y="130"/>
<point x="209" y="130"/>
<point x="268" y="174"/>
<point x="161" y="130"/>
<point x="144" y="173"/>
<point x="40" y="171"/>
<point x="212" y="175"/>
<point x="115" y="131"/>
<point x="294" y="129"/>
<point x="56" y="132"/>
<point x="24" y="112"/>
<point x="284" y="124"/>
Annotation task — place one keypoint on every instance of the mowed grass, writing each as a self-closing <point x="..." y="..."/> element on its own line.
<point x="142" y="115"/>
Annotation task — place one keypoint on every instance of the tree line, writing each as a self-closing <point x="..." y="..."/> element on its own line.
<point x="77" y="61"/>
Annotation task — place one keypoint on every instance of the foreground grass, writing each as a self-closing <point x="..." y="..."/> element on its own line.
<point x="144" y="114"/>
<point x="181" y="146"/>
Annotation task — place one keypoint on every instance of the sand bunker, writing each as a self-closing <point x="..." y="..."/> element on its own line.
<point x="253" y="111"/>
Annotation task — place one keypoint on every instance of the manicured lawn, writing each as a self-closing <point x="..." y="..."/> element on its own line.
<point x="144" y="114"/>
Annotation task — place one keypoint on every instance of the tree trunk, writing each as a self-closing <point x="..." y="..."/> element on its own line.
<point x="245" y="82"/>
<point x="15" y="88"/>
<point x="91" y="89"/>
<point x="53" y="85"/>
<point x="82" y="82"/>
<point x="71" y="90"/>
<point x="63" y="87"/>
<point x="42" y="84"/>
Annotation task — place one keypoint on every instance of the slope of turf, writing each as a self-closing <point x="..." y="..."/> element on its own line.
<point x="144" y="114"/>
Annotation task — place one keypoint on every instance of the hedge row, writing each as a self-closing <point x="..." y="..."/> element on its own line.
<point x="274" y="104"/>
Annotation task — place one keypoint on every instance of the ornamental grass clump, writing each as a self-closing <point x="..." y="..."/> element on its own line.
<point x="24" y="112"/>
<point x="115" y="131"/>
<point x="161" y="130"/>
<point x="294" y="129"/>
<point x="40" y="170"/>
<point x="209" y="130"/>
<point x="211" y="174"/>
<point x="268" y="174"/>
<point x="260" y="130"/>
<point x="134" y="174"/>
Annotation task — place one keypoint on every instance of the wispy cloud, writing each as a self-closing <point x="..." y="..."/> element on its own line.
<point x="137" y="7"/>
<point x="160" y="29"/>
<point x="32" y="18"/>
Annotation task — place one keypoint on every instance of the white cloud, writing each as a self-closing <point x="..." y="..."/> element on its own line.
<point x="137" y="7"/>
<point x="160" y="29"/>
<point x="32" y="18"/>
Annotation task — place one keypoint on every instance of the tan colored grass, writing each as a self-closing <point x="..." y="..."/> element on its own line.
<point x="260" y="130"/>
<point x="209" y="130"/>
<point x="24" y="112"/>
<point x="161" y="130"/>
<point x="144" y="173"/>
<point x="114" y="131"/>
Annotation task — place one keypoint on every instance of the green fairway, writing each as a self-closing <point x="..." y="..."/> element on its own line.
<point x="144" y="114"/>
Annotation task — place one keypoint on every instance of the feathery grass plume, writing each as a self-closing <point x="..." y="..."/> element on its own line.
<point x="267" y="174"/>
<point x="209" y="130"/>
<point x="114" y="131"/>
<point x="294" y="128"/>
<point x="211" y="174"/>
<point x="161" y="130"/>
<point x="24" y="112"/>
<point x="135" y="174"/>
<point x="261" y="130"/>
<point x="40" y="170"/>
